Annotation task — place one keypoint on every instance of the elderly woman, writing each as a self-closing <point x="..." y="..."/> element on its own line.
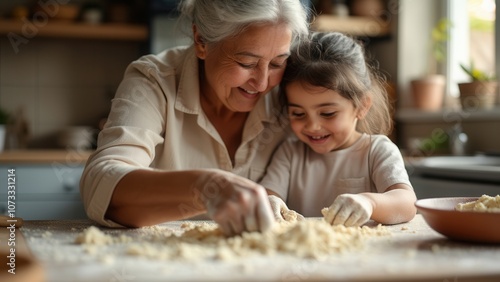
<point x="193" y="128"/>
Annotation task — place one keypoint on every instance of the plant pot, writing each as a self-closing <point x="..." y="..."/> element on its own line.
<point x="478" y="94"/>
<point x="428" y="92"/>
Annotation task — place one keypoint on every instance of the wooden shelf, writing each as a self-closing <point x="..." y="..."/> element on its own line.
<point x="63" y="29"/>
<point x="49" y="156"/>
<point x="356" y="26"/>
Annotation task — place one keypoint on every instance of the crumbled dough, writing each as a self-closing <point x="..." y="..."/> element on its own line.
<point x="47" y="234"/>
<point x="107" y="259"/>
<point x="291" y="216"/>
<point x="94" y="236"/>
<point x="435" y="248"/>
<point x="411" y="253"/>
<point x="310" y="238"/>
<point x="484" y="204"/>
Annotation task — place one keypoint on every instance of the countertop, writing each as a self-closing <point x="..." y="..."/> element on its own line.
<point x="411" y="252"/>
<point x="44" y="156"/>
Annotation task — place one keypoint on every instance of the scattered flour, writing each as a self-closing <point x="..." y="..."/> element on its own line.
<point x="311" y="238"/>
<point x="484" y="204"/>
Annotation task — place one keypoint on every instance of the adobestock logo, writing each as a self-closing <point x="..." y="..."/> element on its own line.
<point x="48" y="9"/>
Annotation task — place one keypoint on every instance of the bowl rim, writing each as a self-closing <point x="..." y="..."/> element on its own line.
<point x="421" y="203"/>
<point x="459" y="225"/>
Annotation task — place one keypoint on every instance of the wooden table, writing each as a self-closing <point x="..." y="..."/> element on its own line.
<point x="413" y="252"/>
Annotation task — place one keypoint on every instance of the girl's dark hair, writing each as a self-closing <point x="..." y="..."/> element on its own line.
<point x="336" y="61"/>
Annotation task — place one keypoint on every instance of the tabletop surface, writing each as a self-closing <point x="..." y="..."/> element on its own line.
<point x="411" y="252"/>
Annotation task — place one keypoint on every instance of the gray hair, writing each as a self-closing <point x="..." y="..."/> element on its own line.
<point x="219" y="19"/>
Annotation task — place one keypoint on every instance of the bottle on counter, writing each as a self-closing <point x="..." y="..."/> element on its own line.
<point x="458" y="140"/>
<point x="339" y="8"/>
<point x="18" y="132"/>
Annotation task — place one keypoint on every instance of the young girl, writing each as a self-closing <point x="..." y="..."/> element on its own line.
<point x="341" y="158"/>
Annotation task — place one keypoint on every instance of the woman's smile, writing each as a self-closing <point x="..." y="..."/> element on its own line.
<point x="241" y="69"/>
<point x="248" y="93"/>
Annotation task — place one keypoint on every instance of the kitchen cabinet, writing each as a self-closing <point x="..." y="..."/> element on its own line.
<point x="46" y="184"/>
<point x="454" y="176"/>
<point x="43" y="191"/>
<point x="432" y="187"/>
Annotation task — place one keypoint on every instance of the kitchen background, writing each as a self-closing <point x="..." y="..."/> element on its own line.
<point x="60" y="75"/>
<point x="66" y="80"/>
<point x="60" y="81"/>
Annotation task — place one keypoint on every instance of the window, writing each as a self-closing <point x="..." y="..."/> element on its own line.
<point x="472" y="39"/>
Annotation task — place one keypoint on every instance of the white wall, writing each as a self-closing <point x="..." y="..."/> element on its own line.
<point x="61" y="82"/>
<point x="166" y="33"/>
<point x="416" y="20"/>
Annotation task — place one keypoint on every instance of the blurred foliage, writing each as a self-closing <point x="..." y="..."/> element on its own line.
<point x="478" y="24"/>
<point x="476" y="74"/>
<point x="440" y="34"/>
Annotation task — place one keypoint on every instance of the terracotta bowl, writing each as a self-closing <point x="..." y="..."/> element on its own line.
<point x="440" y="214"/>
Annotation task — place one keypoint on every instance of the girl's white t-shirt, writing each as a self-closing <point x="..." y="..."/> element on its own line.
<point x="308" y="181"/>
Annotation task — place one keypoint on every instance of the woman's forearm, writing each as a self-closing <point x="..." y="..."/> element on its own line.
<point x="145" y="197"/>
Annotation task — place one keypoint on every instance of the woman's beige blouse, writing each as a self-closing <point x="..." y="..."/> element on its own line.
<point x="156" y="122"/>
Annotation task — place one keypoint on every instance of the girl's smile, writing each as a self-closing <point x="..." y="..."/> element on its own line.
<point x="321" y="118"/>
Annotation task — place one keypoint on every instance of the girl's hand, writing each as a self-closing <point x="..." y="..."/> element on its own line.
<point x="280" y="209"/>
<point x="237" y="204"/>
<point x="278" y="206"/>
<point x="349" y="210"/>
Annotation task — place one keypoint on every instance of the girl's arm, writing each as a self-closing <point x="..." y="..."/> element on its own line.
<point x="395" y="205"/>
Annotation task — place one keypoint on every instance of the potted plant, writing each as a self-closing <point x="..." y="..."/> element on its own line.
<point x="4" y="118"/>
<point x="480" y="92"/>
<point x="428" y="91"/>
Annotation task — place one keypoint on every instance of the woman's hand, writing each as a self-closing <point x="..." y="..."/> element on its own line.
<point x="349" y="210"/>
<point x="237" y="204"/>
